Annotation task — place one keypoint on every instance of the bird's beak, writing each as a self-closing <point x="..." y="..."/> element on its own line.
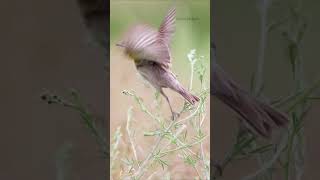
<point x="123" y="46"/>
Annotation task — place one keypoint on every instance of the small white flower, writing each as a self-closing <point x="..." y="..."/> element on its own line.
<point x="191" y="55"/>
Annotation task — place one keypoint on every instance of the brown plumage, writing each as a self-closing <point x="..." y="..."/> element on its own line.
<point x="149" y="48"/>
<point x="260" y="117"/>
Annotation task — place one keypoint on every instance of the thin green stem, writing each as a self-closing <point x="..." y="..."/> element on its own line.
<point x="262" y="46"/>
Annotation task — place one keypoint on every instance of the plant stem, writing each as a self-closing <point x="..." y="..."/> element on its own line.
<point x="147" y="160"/>
<point x="258" y="83"/>
<point x="262" y="46"/>
<point x="191" y="76"/>
<point x="129" y="118"/>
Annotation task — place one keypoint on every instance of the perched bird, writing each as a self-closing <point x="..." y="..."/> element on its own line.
<point x="258" y="116"/>
<point x="149" y="49"/>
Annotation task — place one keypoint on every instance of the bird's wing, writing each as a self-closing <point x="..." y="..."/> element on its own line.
<point x="158" y="52"/>
<point x="139" y="37"/>
<point x="167" y="27"/>
<point x="142" y="40"/>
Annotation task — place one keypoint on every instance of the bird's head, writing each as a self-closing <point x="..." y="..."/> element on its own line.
<point x="140" y="42"/>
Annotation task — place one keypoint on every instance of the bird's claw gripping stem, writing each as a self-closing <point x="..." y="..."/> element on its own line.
<point x="175" y="116"/>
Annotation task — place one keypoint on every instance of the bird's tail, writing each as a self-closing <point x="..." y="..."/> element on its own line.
<point x="259" y="116"/>
<point x="192" y="99"/>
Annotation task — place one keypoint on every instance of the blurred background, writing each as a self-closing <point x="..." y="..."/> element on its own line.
<point x="237" y="27"/>
<point x="44" y="45"/>
<point x="192" y="32"/>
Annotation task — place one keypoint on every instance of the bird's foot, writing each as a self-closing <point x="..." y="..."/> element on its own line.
<point x="175" y="116"/>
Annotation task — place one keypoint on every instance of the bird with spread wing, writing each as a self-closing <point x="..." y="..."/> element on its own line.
<point x="149" y="49"/>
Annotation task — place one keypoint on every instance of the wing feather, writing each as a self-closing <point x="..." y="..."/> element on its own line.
<point x="167" y="28"/>
<point x="147" y="43"/>
<point x="140" y="36"/>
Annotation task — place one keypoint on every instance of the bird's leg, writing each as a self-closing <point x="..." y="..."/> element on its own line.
<point x="174" y="114"/>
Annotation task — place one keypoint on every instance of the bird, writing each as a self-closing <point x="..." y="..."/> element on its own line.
<point x="149" y="48"/>
<point x="258" y="116"/>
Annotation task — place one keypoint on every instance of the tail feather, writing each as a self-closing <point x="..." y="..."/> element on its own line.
<point x="259" y="116"/>
<point x="279" y="118"/>
<point x="192" y="99"/>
